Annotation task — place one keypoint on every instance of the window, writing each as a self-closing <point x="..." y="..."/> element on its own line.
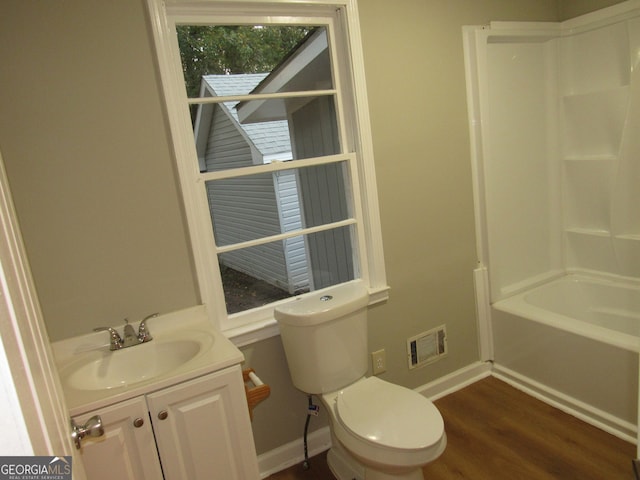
<point x="267" y="111"/>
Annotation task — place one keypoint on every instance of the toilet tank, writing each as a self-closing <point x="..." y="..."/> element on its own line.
<point x="325" y="337"/>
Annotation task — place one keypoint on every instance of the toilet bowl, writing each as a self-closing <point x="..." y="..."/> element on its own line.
<point x="379" y="431"/>
<point x="390" y="431"/>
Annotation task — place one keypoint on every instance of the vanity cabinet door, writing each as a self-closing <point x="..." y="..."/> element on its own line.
<point x="127" y="449"/>
<point x="203" y="430"/>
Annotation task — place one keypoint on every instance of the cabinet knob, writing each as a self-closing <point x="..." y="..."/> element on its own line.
<point x="163" y="414"/>
<point x="138" y="422"/>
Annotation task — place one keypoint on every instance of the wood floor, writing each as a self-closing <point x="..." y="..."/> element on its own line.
<point x="497" y="432"/>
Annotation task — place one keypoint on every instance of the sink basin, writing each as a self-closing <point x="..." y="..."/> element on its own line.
<point x="186" y="345"/>
<point x="104" y="370"/>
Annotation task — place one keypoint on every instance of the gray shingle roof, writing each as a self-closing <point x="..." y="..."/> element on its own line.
<point x="268" y="137"/>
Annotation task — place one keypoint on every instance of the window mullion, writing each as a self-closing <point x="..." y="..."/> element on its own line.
<point x="284" y="236"/>
<point x="260" y="96"/>
<point x="275" y="166"/>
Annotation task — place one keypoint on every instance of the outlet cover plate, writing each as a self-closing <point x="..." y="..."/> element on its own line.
<point x="379" y="361"/>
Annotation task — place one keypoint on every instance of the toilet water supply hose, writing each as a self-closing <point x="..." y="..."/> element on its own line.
<point x="311" y="410"/>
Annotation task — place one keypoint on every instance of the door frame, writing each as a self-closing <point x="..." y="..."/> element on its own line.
<point x="32" y="374"/>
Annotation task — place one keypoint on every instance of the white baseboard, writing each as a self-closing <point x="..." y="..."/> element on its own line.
<point x="585" y="412"/>
<point x="455" y="380"/>
<point x="293" y="452"/>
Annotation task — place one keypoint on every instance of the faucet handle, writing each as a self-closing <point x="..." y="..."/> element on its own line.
<point x="143" y="332"/>
<point x="115" y="341"/>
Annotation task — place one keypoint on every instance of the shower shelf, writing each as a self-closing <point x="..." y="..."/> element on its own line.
<point x="593" y="123"/>
<point x="603" y="157"/>
<point x="597" y="92"/>
<point x="596" y="232"/>
<point x="629" y="236"/>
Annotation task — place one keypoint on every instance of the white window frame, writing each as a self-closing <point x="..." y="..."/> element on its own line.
<point x="256" y="324"/>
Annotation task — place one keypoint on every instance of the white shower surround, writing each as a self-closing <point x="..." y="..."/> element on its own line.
<point x="554" y="111"/>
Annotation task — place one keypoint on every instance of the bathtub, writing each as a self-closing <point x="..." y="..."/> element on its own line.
<point x="574" y="342"/>
<point x="595" y="308"/>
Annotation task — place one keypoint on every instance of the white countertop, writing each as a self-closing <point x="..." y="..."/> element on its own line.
<point x="189" y="323"/>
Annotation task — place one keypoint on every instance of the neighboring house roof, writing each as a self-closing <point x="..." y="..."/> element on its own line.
<point x="269" y="138"/>
<point x="308" y="67"/>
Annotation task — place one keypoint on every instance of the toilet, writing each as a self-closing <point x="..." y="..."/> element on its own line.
<point x="379" y="431"/>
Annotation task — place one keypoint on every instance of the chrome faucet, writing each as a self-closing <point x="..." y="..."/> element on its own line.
<point x="143" y="332"/>
<point x="130" y="337"/>
<point x="116" y="342"/>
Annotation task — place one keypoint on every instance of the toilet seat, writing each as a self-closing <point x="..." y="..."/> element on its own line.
<point x="389" y="416"/>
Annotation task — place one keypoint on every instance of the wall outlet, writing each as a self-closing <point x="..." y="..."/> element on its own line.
<point x="379" y="360"/>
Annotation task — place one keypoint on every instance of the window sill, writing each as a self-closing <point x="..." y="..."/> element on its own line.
<point x="267" y="328"/>
<point x="253" y="332"/>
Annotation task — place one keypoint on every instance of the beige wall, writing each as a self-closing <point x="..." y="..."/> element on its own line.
<point x="572" y="8"/>
<point x="85" y="146"/>
<point x="416" y="84"/>
<point x="86" y="149"/>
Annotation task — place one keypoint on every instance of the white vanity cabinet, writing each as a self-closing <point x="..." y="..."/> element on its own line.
<point x="127" y="450"/>
<point x="201" y="428"/>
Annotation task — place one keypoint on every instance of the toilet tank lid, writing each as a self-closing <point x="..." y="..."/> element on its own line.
<point x="324" y="305"/>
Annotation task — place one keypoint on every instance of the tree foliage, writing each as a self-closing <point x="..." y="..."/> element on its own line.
<point x="206" y="49"/>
